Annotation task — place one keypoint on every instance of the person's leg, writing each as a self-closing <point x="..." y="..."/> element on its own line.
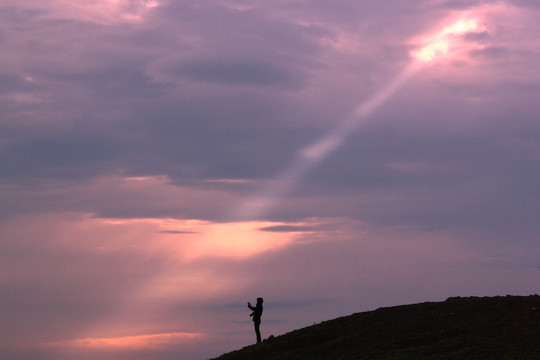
<point x="258" y="331"/>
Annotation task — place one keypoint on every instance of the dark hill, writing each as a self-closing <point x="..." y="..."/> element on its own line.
<point x="501" y="327"/>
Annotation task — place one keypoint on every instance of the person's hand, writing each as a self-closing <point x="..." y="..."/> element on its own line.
<point x="249" y="304"/>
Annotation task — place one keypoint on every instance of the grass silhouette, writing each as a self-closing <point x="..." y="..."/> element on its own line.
<point x="500" y="327"/>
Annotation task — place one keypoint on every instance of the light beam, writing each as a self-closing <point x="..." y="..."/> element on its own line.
<point x="307" y="158"/>
<point x="310" y="156"/>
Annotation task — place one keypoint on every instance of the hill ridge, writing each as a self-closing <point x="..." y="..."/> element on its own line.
<point x="499" y="327"/>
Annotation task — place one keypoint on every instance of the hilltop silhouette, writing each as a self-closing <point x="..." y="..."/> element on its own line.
<point x="494" y="328"/>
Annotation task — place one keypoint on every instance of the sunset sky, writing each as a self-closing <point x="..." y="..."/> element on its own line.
<point x="162" y="162"/>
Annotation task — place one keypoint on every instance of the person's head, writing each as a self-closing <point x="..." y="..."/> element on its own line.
<point x="259" y="300"/>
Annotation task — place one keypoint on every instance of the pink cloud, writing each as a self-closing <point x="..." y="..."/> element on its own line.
<point x="100" y="11"/>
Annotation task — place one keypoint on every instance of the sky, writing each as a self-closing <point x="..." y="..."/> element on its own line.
<point x="162" y="162"/>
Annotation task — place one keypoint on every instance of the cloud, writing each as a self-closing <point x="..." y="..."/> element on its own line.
<point x="288" y="228"/>
<point x="478" y="36"/>
<point x="239" y="73"/>
<point x="460" y="4"/>
<point x="177" y="232"/>
<point x="491" y="52"/>
<point x="117" y="197"/>
<point x="100" y="11"/>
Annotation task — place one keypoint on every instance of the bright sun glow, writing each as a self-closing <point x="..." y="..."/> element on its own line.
<point x="444" y="40"/>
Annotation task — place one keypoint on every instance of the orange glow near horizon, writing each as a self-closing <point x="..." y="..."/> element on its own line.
<point x="128" y="342"/>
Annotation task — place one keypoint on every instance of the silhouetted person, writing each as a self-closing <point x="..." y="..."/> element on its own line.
<point x="256" y="316"/>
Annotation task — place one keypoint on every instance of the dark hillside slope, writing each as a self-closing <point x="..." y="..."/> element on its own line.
<point x="501" y="327"/>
